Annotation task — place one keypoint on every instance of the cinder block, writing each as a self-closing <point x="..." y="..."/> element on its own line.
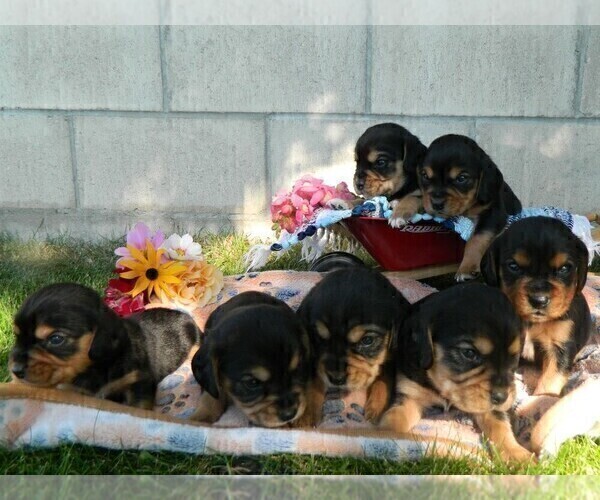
<point x="35" y="162"/>
<point x="211" y="165"/>
<point x="547" y="163"/>
<point x="80" y="67"/>
<point x="474" y="70"/>
<point x="266" y="12"/>
<point x="590" y="88"/>
<point x="325" y="147"/>
<point x="267" y="68"/>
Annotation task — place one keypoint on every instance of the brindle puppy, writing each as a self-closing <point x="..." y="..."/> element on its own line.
<point x="66" y="337"/>
<point x="542" y="266"/>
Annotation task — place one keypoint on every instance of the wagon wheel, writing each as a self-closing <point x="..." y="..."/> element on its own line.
<point x="335" y="260"/>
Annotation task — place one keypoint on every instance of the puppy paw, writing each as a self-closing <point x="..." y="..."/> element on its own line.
<point x="467" y="273"/>
<point x="397" y="222"/>
<point x="463" y="277"/>
<point x="339" y="204"/>
<point x="402" y="211"/>
<point x="517" y="453"/>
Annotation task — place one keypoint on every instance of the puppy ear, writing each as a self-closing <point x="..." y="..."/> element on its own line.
<point x="421" y="339"/>
<point x="205" y="368"/>
<point x="582" y="263"/>
<point x="490" y="265"/>
<point x="490" y="181"/>
<point x="109" y="337"/>
<point x="414" y="152"/>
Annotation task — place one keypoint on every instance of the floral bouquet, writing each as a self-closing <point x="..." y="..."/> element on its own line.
<point x="289" y="210"/>
<point x="156" y="270"/>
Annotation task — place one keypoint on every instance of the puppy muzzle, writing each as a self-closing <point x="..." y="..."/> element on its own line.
<point x="18" y="370"/>
<point x="359" y="185"/>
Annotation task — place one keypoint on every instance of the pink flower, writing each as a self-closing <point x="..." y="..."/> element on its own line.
<point x="137" y="237"/>
<point x="283" y="212"/>
<point x="290" y="210"/>
<point x="319" y="194"/>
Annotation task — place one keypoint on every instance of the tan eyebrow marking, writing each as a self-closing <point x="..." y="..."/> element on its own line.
<point x="261" y="373"/>
<point x="322" y="330"/>
<point x="42" y="332"/>
<point x="454" y="172"/>
<point x="295" y="361"/>
<point x="515" y="347"/>
<point x="521" y="258"/>
<point x="372" y="156"/>
<point x="559" y="260"/>
<point x="356" y="333"/>
<point x="483" y="345"/>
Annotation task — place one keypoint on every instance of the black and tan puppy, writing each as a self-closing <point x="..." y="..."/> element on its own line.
<point x="254" y="356"/>
<point x="460" y="347"/>
<point x="66" y="337"/>
<point x="542" y="267"/>
<point x="351" y="316"/>
<point x="387" y="159"/>
<point x="458" y="178"/>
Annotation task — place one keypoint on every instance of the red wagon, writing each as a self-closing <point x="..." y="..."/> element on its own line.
<point x="416" y="250"/>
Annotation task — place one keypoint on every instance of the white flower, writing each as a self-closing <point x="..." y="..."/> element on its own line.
<point x="182" y="247"/>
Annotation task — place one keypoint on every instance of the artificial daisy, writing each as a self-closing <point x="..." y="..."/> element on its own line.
<point x="182" y="247"/>
<point x="151" y="273"/>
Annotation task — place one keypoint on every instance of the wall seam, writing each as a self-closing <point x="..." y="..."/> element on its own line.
<point x="581" y="48"/>
<point x="74" y="164"/>
<point x="163" y="32"/>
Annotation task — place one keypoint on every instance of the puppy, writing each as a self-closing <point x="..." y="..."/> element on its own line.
<point x="459" y="178"/>
<point x="255" y="356"/>
<point x="387" y="157"/>
<point x="460" y="347"/>
<point x="350" y="317"/>
<point x="66" y="337"/>
<point x="542" y="266"/>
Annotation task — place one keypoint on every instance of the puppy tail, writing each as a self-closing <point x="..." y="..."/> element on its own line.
<point x="257" y="257"/>
<point x="583" y="230"/>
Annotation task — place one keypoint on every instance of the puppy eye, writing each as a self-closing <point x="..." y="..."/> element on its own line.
<point x="461" y="179"/>
<point x="251" y="382"/>
<point x="55" y="339"/>
<point x="381" y="162"/>
<point x="566" y="269"/>
<point x="470" y="354"/>
<point x="424" y="175"/>
<point x="367" y="340"/>
<point x="513" y="266"/>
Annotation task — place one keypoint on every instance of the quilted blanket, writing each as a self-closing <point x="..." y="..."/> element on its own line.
<point x="32" y="417"/>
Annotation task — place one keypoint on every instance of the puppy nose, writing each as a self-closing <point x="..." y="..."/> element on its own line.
<point x="18" y="370"/>
<point x="538" y="301"/>
<point x="337" y="378"/>
<point x="437" y="203"/>
<point x="360" y="184"/>
<point x="499" y="396"/>
<point x="286" y="414"/>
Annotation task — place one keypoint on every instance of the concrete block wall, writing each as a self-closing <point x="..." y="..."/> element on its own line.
<point x="191" y="127"/>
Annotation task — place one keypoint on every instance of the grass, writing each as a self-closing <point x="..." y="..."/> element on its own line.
<point x="26" y="266"/>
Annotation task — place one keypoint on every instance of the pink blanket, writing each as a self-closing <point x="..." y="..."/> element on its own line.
<point x="47" y="418"/>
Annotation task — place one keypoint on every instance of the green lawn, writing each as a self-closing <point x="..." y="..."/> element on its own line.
<point x="26" y="266"/>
